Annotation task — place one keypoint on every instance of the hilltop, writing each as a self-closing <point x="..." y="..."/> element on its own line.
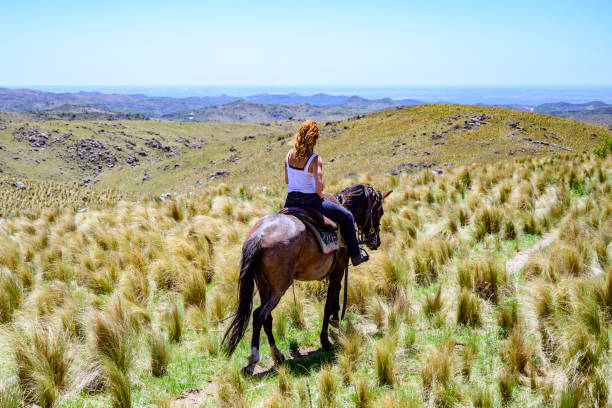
<point x="156" y="156"/>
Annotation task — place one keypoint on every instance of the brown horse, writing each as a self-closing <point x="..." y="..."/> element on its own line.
<point x="280" y="249"/>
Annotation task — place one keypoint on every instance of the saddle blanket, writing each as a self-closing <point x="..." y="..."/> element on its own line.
<point x="328" y="240"/>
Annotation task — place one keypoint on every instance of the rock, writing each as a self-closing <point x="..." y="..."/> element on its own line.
<point x="90" y="154"/>
<point x="218" y="173"/>
<point x="16" y="184"/>
<point x="233" y="149"/>
<point x="511" y="152"/>
<point x="474" y="121"/>
<point x="132" y="161"/>
<point x="164" y="196"/>
<point x="142" y="152"/>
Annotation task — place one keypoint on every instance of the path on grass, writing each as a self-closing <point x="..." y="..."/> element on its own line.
<point x="515" y="264"/>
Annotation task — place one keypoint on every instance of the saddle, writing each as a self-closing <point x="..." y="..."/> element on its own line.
<point x="325" y="230"/>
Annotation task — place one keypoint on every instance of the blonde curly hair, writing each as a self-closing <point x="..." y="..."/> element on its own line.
<point x="305" y="139"/>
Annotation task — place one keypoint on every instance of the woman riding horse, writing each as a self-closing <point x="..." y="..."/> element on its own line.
<point x="280" y="249"/>
<point x="304" y="179"/>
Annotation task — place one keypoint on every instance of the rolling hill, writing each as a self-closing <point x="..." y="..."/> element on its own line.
<point x="158" y="156"/>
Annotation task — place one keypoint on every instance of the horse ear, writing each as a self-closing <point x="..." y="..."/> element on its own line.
<point x="387" y="194"/>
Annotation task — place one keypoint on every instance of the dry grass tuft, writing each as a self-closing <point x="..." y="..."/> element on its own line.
<point x="485" y="276"/>
<point x="159" y="353"/>
<point x="440" y="367"/>
<point x="429" y="256"/>
<point x="363" y="394"/>
<point x="174" y="321"/>
<point x="328" y="386"/>
<point x="384" y="351"/>
<point x="469" y="309"/>
<point x="11" y="294"/>
<point x="507" y="381"/>
<point x="118" y="386"/>
<point x="43" y="360"/>
<point x="518" y="353"/>
<point x="194" y="288"/>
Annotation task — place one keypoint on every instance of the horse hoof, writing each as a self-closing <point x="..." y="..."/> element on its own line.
<point x="278" y="358"/>
<point x="249" y="370"/>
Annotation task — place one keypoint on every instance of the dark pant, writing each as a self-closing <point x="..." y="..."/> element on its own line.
<point x="337" y="213"/>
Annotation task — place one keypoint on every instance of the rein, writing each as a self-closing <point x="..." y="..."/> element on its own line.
<point x="361" y="238"/>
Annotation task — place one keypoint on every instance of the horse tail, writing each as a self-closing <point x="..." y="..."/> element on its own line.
<point x="251" y="254"/>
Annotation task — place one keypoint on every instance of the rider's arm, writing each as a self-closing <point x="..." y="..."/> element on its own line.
<point x="318" y="175"/>
<point x="286" y="176"/>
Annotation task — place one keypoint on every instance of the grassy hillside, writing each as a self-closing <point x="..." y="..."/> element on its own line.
<point x="163" y="156"/>
<point x="107" y="307"/>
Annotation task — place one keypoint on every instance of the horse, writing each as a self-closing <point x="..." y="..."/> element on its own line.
<point x="278" y="250"/>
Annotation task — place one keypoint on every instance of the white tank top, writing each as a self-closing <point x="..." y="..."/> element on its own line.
<point x="301" y="180"/>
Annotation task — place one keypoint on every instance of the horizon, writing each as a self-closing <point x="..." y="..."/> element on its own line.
<point x="462" y="94"/>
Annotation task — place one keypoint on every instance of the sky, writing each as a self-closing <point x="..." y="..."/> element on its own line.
<point x="278" y="43"/>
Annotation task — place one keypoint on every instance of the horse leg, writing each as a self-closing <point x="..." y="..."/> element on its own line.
<point x="331" y="304"/>
<point x="260" y="315"/>
<point x="277" y="356"/>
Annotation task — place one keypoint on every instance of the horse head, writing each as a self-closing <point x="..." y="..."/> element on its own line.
<point x="366" y="205"/>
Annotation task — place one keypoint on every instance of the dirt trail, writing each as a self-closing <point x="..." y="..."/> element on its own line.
<point x="515" y="264"/>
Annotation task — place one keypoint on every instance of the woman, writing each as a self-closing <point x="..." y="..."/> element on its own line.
<point x="304" y="179"/>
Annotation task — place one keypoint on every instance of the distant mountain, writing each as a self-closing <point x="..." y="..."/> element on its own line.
<point x="27" y="100"/>
<point x="246" y="111"/>
<point x="565" y="107"/>
<point x="593" y="112"/>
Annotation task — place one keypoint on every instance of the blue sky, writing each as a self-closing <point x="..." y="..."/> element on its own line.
<point x="364" y="43"/>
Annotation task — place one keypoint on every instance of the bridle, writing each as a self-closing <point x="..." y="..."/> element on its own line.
<point x="369" y="236"/>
